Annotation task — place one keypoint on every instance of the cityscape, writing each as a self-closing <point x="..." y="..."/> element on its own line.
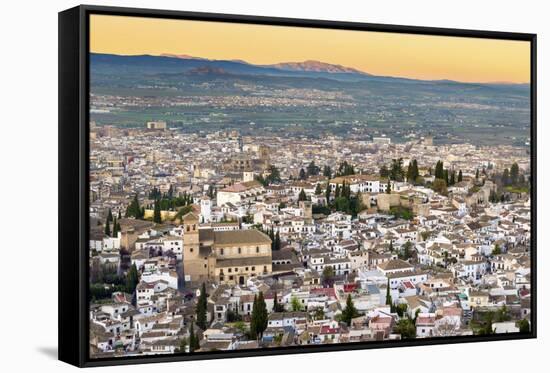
<point x="238" y="206"/>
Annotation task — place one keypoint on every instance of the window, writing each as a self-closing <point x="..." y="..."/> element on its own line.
<point x="253" y="268"/>
<point x="221" y="251"/>
<point x="229" y="270"/>
<point x="265" y="268"/>
<point x="257" y="249"/>
<point x="239" y="250"/>
<point x="191" y="249"/>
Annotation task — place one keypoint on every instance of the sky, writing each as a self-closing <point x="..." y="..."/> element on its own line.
<point x="380" y="53"/>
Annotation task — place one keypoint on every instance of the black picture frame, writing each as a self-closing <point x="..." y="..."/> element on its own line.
<point x="73" y="182"/>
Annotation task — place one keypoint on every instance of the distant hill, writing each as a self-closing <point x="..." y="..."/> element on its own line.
<point x="317" y="66"/>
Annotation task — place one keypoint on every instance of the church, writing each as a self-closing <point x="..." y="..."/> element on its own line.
<point x="227" y="257"/>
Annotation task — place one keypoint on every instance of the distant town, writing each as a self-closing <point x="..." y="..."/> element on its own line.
<point x="223" y="240"/>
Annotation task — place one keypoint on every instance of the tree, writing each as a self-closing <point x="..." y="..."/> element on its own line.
<point x="302" y="196"/>
<point x="460" y="176"/>
<point x="412" y="171"/>
<point x="319" y="314"/>
<point x="328" y="275"/>
<point x="406" y="253"/>
<point x="193" y="339"/>
<point x="134" y="210"/>
<point x="401" y="309"/>
<point x="107" y="228"/>
<point x="388" y="187"/>
<point x="156" y="212"/>
<point x="183" y="345"/>
<point x="116" y="228"/>
<point x="274" y="175"/>
<point x="497" y="250"/>
<point x="406" y="328"/>
<point x="277" y="241"/>
<point x="327" y="171"/>
<point x="502" y="314"/>
<point x="211" y="193"/>
<point x="388" y="295"/>
<point x="477" y="173"/>
<point x="132" y="279"/>
<point x="396" y="170"/>
<point x="202" y="308"/>
<point x="345" y="169"/>
<point x="295" y="304"/>
<point x="440" y="186"/>
<point x="524" y="326"/>
<point x="312" y="169"/>
<point x="349" y="312"/>
<point x="452" y="178"/>
<point x="318" y="189"/>
<point x="258" y="318"/>
<point x="342" y="204"/>
<point x="514" y="173"/>
<point x="110" y="216"/>
<point x="302" y="174"/>
<point x="439" y="170"/>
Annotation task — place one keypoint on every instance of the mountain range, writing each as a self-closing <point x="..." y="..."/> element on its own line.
<point x="172" y="63"/>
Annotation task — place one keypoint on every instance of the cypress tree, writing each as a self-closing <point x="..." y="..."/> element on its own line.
<point x="302" y="196"/>
<point x="193" y="339"/>
<point x="116" y="228"/>
<point x="327" y="171"/>
<point x="107" y="228"/>
<point x="156" y="212"/>
<point x="134" y="209"/>
<point x="202" y="308"/>
<point x="258" y="321"/>
<point x="388" y="295"/>
<point x="318" y="189"/>
<point x="350" y="311"/>
<point x="452" y="178"/>
<point x="459" y="176"/>
<point x="254" y="319"/>
<point x="110" y="216"/>
<point x="132" y="279"/>
<point x="277" y="241"/>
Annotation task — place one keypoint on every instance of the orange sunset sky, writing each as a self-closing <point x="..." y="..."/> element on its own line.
<point x="402" y="55"/>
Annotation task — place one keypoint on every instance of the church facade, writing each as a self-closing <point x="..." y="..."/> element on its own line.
<point x="224" y="257"/>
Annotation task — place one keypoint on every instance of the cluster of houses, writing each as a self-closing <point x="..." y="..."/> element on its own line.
<point x="439" y="269"/>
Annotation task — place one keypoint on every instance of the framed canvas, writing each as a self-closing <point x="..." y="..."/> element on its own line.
<point x="234" y="186"/>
